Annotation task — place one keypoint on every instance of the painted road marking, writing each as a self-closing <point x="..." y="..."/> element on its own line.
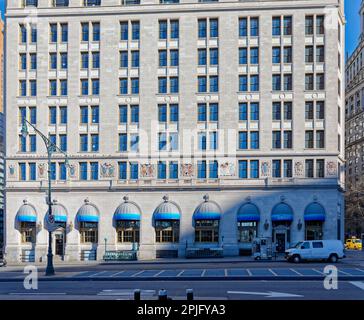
<point x="169" y="273"/>
<point x="273" y="272"/>
<point x="320" y="272"/>
<point x="86" y="273"/>
<point x="225" y="272"/>
<point x="358" y="284"/>
<point x="147" y="273"/>
<point x="300" y="274"/>
<point x="135" y="274"/>
<point x="249" y="273"/>
<point x="203" y="273"/>
<point x="354" y="272"/>
<point x="308" y="272"/>
<point x="130" y="273"/>
<point x="180" y="273"/>
<point x="124" y="292"/>
<point x="37" y="293"/>
<point x="261" y="272"/>
<point x="192" y="273"/>
<point x="156" y="275"/>
<point x="105" y="274"/>
<point x="117" y="273"/>
<point x="99" y="274"/>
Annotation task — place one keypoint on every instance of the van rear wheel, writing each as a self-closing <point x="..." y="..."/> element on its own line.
<point x="333" y="258"/>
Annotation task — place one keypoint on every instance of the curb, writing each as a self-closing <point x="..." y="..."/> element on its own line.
<point x="217" y="278"/>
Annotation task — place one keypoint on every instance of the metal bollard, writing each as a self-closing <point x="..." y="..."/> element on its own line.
<point x="137" y="294"/>
<point x="189" y="294"/>
<point x="162" y="295"/>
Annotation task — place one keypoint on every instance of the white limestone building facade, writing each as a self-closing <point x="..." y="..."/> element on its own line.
<point x="187" y="124"/>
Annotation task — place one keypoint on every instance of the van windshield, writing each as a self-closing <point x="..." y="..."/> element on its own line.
<point x="297" y="245"/>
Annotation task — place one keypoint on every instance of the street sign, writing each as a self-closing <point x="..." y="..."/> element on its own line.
<point x="51" y="219"/>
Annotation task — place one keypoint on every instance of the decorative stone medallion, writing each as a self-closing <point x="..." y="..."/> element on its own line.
<point x="11" y="171"/>
<point x="147" y="170"/>
<point x="107" y="170"/>
<point x="298" y="168"/>
<point x="265" y="169"/>
<point x="187" y="170"/>
<point x="331" y="168"/>
<point x="72" y="170"/>
<point x="42" y="171"/>
<point x="227" y="169"/>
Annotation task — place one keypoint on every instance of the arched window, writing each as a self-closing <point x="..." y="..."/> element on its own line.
<point x="27" y="217"/>
<point x="88" y="219"/>
<point x="248" y="219"/>
<point x="314" y="219"/>
<point x="207" y="221"/>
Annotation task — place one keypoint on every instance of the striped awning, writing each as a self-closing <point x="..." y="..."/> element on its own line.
<point x="282" y="212"/>
<point x="248" y="212"/>
<point x="314" y="212"/>
<point x="26" y="213"/>
<point x="166" y="211"/>
<point x="88" y="213"/>
<point x="127" y="211"/>
<point x="208" y="210"/>
<point x="59" y="212"/>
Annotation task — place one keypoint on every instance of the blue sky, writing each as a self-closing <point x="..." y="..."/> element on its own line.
<point x="352" y="26"/>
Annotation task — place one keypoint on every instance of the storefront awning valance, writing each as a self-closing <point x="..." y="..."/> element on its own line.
<point x="88" y="213"/>
<point x="207" y="210"/>
<point x="248" y="212"/>
<point x="167" y="211"/>
<point x="127" y="211"/>
<point x="282" y="212"/>
<point x="26" y="213"/>
<point x="59" y="212"/>
<point x="314" y="212"/>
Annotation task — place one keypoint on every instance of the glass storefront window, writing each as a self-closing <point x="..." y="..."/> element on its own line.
<point x="28" y="232"/>
<point x="166" y="231"/>
<point x="88" y="232"/>
<point x="247" y="231"/>
<point x="128" y="231"/>
<point x="313" y="230"/>
<point x="207" y="231"/>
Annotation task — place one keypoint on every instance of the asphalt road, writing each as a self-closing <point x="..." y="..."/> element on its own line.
<point x="207" y="290"/>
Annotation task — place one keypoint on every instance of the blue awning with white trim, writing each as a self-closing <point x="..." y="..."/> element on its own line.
<point x="282" y="212"/>
<point x="248" y="212"/>
<point x="167" y="211"/>
<point x="314" y="212"/>
<point x="26" y="213"/>
<point x="207" y="210"/>
<point x="88" y="213"/>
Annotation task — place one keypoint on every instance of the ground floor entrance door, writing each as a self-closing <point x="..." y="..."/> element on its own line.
<point x="59" y="244"/>
<point x="281" y="238"/>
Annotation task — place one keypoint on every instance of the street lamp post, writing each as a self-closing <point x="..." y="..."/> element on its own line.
<point x="51" y="148"/>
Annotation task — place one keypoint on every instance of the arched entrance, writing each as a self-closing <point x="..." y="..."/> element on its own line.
<point x="282" y="216"/>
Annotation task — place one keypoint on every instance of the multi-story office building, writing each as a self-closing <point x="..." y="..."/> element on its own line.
<point x="354" y="112"/>
<point x="2" y="132"/>
<point x="188" y="124"/>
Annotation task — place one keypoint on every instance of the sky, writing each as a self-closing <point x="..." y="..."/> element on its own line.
<point x="352" y="26"/>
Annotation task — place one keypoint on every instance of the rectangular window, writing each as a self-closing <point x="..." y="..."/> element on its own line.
<point x="254" y="111"/>
<point x="53" y="61"/>
<point x="254" y="27"/>
<point x="287" y="54"/>
<point x="95" y="31"/>
<point x="163" y="29"/>
<point x="173" y="170"/>
<point x="201" y="112"/>
<point x="162" y="58"/>
<point x="254" y="55"/>
<point x="320" y="110"/>
<point x="33" y="34"/>
<point x="320" y="81"/>
<point x="243" y="169"/>
<point x="243" y="27"/>
<point x="287" y="25"/>
<point x="320" y="168"/>
<point x="22" y="88"/>
<point x="95" y="86"/>
<point x="23" y="61"/>
<point x="83" y="170"/>
<point x="33" y="88"/>
<point x="122" y="170"/>
<point x="309" y="25"/>
<point x="134" y="171"/>
<point x="63" y="142"/>
<point x="214" y="28"/>
<point x="276" y="140"/>
<point x="214" y="56"/>
<point x="62" y="171"/>
<point x="52" y="87"/>
<point x="214" y="83"/>
<point x="243" y="111"/>
<point x="32" y="172"/>
<point x="287" y="110"/>
<point x="84" y="60"/>
<point x="309" y="139"/>
<point x="134" y="114"/>
<point x="202" y="140"/>
<point x="276" y="168"/>
<point x="83" y="142"/>
<point x="213" y="170"/>
<point x="162" y="85"/>
<point x="162" y="141"/>
<point x="243" y="140"/>
<point x="202" y="26"/>
<point x="123" y="114"/>
<point x="123" y="142"/>
<point x="95" y="60"/>
<point x="320" y="25"/>
<point x="287" y="168"/>
<point x="123" y="86"/>
<point x="95" y="142"/>
<point x="309" y="168"/>
<point x="309" y="54"/>
<point x="64" y="32"/>
<point x="276" y="55"/>
<point x="84" y="32"/>
<point x="276" y="82"/>
<point x="173" y="141"/>
<point x="174" y="24"/>
<point x="309" y="110"/>
<point x="53" y="32"/>
<point x="135" y="59"/>
<point x="243" y="83"/>
<point x="214" y="111"/>
<point x="124" y="30"/>
<point x="94" y="171"/>
<point x="276" y="26"/>
<point x="84" y="87"/>
<point x="243" y="56"/>
<point x="201" y="57"/>
<point x="254" y="140"/>
<point x="320" y="54"/>
<point x="201" y="169"/>
<point x="95" y="114"/>
<point x="64" y="60"/>
<point x="287" y="139"/>
<point x="32" y="143"/>
<point x="52" y="115"/>
<point x="33" y="115"/>
<point x="287" y="82"/>
<point x="135" y="30"/>
<point x="254" y="169"/>
<point x="162" y="170"/>
<point x="134" y="142"/>
<point x="162" y="113"/>
<point x="173" y="113"/>
<point x="320" y="139"/>
<point x="173" y="85"/>
<point x="83" y="114"/>
<point x="202" y="84"/>
<point x="64" y="87"/>
<point x="213" y="140"/>
<point x="22" y="144"/>
<point x="309" y="82"/>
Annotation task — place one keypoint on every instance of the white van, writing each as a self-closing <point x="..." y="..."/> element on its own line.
<point x="329" y="250"/>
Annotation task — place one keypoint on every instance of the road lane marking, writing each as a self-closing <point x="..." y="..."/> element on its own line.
<point x="114" y="275"/>
<point x="36" y="293"/>
<point x="225" y="272"/>
<point x="300" y="274"/>
<point x="346" y="273"/>
<point x="249" y="273"/>
<point x="269" y="294"/>
<point x="203" y="272"/>
<point x="98" y="274"/>
<point x="157" y="274"/>
<point x="180" y="273"/>
<point x="135" y="274"/>
<point x="273" y="272"/>
<point x="359" y="270"/>
<point x="358" y="284"/>
<point x="318" y="271"/>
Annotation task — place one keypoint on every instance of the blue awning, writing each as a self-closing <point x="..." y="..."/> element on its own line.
<point x="282" y="212"/>
<point x="248" y="212"/>
<point x="314" y="212"/>
<point x="27" y="218"/>
<point x="85" y="218"/>
<point x="60" y="218"/>
<point x="127" y="216"/>
<point x="166" y="216"/>
<point x="207" y="216"/>
<point x="26" y="213"/>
